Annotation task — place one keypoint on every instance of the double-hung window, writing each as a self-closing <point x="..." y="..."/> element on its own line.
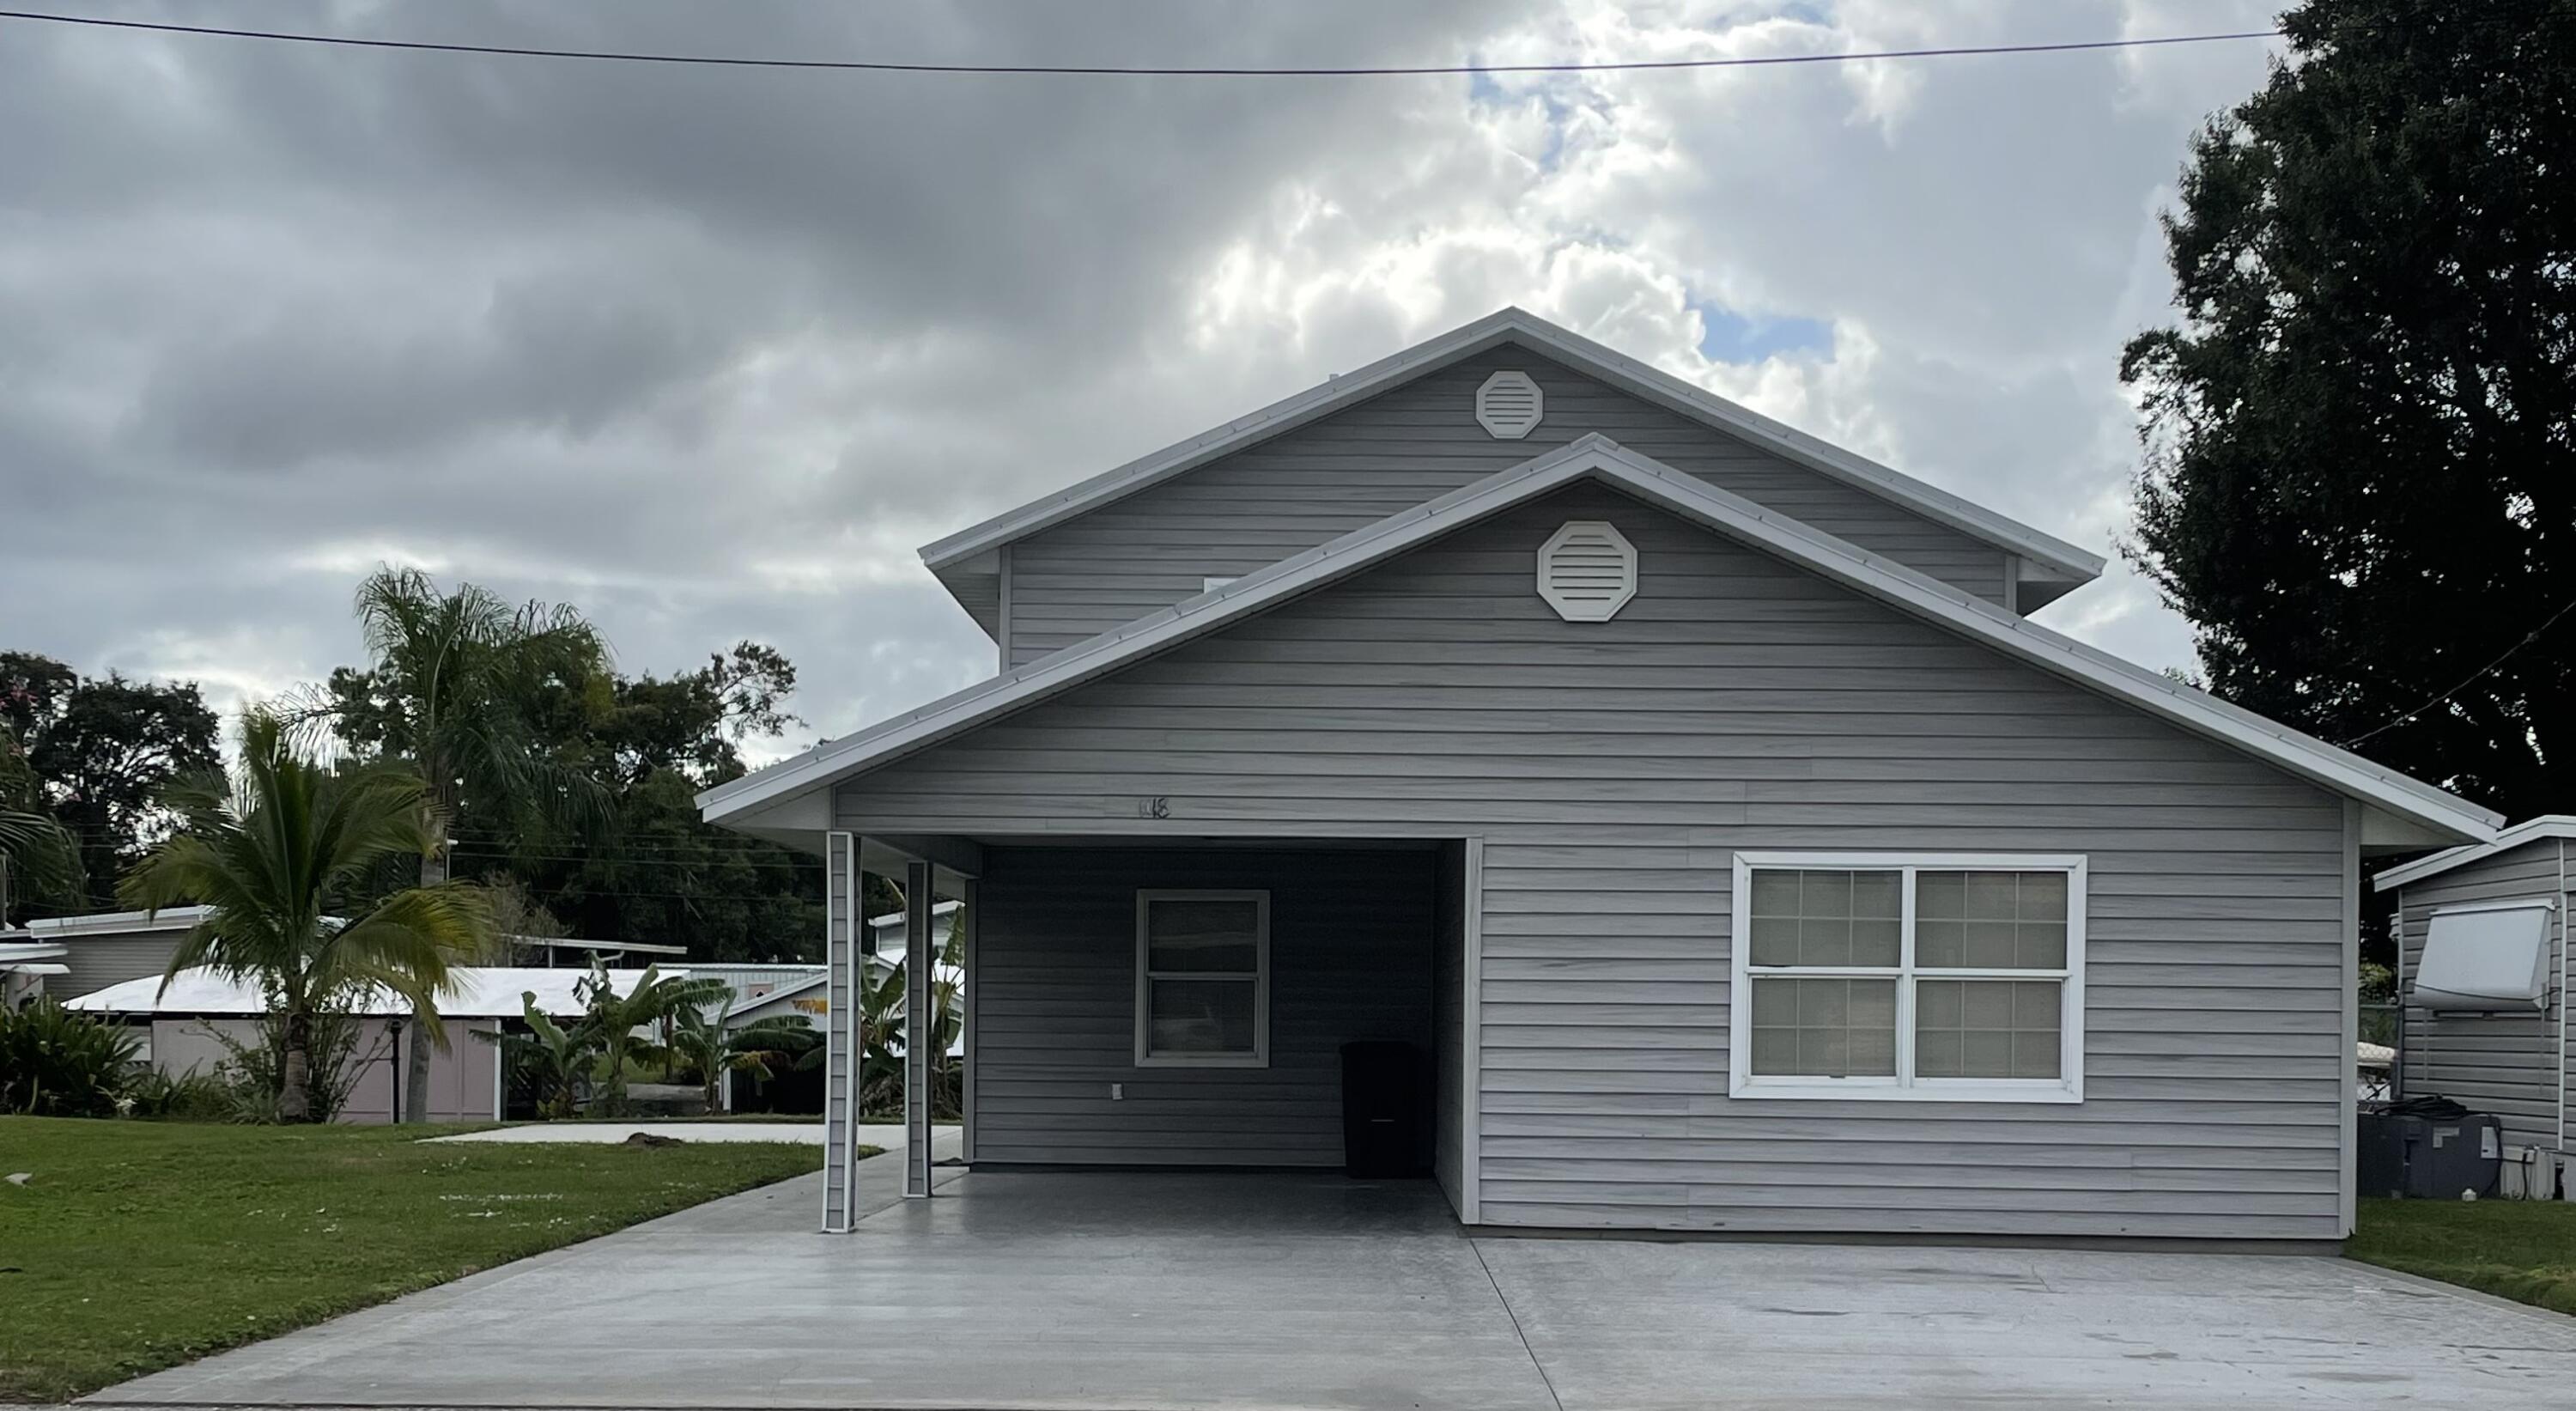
<point x="1203" y="979"/>
<point x="1899" y="976"/>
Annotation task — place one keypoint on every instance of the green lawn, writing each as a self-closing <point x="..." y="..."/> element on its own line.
<point x="138" y="1245"/>
<point x="2524" y="1250"/>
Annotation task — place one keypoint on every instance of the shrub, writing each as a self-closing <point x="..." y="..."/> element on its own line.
<point x="195" y="1097"/>
<point x="57" y="1063"/>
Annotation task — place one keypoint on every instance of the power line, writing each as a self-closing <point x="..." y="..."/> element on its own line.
<point x="1135" y="70"/>
<point x="2473" y="678"/>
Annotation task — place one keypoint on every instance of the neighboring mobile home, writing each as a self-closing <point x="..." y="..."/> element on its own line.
<point x="1694" y="796"/>
<point x="2482" y="967"/>
<point x="178" y="1025"/>
<point x="108" y="947"/>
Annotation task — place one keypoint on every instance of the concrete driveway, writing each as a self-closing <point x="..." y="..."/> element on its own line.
<point x="1133" y="1291"/>
<point x="887" y="1135"/>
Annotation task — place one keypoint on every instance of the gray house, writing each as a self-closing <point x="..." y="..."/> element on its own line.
<point x="106" y="948"/>
<point x="2482" y="974"/>
<point x="1694" y="795"/>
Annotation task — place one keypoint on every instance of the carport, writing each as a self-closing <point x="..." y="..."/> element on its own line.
<point x="1122" y="1291"/>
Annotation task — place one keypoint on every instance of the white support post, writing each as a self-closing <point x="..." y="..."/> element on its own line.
<point x="2348" y="1046"/>
<point x="1471" y="1199"/>
<point x="966" y="1004"/>
<point x="920" y="1045"/>
<point x="841" y="1038"/>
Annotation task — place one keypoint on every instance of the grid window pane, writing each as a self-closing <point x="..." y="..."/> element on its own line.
<point x="1199" y="1017"/>
<point x="1825" y="918"/>
<point x="1988" y="1028"/>
<point x="1204" y="935"/>
<point x="1990" y="920"/>
<point x="1822" y="1027"/>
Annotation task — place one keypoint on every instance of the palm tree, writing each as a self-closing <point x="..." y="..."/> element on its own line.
<point x="34" y="849"/>
<point x="553" y="1058"/>
<point x="625" y="1024"/>
<point x="712" y="1044"/>
<point x="270" y="854"/>
<point x="461" y="675"/>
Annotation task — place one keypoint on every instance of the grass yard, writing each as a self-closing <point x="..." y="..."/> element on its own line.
<point x="139" y="1245"/>
<point x="2524" y="1250"/>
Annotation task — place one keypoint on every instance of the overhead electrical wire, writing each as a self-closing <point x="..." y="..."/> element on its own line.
<point x="1132" y="70"/>
<point x="2474" y="678"/>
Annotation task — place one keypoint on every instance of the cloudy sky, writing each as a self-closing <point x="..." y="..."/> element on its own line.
<point x="710" y="352"/>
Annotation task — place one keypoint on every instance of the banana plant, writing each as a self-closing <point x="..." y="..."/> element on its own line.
<point x="555" y="1059"/>
<point x="712" y="1044"/>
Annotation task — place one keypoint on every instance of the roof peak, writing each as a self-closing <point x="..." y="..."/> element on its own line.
<point x="1550" y="340"/>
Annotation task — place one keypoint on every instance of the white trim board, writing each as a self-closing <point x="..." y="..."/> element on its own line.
<point x="1512" y="325"/>
<point x="1600" y="458"/>
<point x="2532" y="830"/>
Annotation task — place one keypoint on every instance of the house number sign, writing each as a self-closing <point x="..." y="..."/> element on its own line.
<point x="1155" y="807"/>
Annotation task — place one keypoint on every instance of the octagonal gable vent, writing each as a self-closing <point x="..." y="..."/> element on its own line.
<point x="1509" y="405"/>
<point x="1587" y="571"/>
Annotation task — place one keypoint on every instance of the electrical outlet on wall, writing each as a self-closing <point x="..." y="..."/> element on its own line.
<point x="1117" y="1092"/>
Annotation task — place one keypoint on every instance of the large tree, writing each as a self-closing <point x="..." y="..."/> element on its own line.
<point x="454" y="695"/>
<point x="2360" y="482"/>
<point x="657" y="873"/>
<point x="100" y="752"/>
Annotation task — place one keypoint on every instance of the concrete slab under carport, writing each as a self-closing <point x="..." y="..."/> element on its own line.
<point x="1133" y="1291"/>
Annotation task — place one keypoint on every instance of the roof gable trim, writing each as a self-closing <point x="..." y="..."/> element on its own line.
<point x="2049" y="555"/>
<point x="2561" y="826"/>
<point x="1674" y="491"/>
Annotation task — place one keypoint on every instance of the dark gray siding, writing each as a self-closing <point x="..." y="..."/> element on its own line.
<point x="96" y="962"/>
<point x="1614" y="769"/>
<point x="1260" y="505"/>
<point x="1054" y="986"/>
<point x="2506" y="1064"/>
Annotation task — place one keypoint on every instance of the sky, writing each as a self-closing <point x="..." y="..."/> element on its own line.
<point x="710" y="352"/>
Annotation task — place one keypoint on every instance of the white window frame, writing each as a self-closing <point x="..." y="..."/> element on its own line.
<point x="1146" y="976"/>
<point x="1904" y="1086"/>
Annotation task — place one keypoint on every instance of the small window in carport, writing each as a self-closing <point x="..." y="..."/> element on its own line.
<point x="2485" y="958"/>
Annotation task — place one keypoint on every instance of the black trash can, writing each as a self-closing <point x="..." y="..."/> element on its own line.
<point x="1383" y="1118"/>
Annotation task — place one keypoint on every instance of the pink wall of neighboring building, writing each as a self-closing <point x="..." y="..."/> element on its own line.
<point x="464" y="1080"/>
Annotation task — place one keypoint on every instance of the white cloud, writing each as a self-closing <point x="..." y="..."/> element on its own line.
<point x="711" y="352"/>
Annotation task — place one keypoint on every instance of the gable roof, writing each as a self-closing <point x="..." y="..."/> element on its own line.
<point x="2531" y="830"/>
<point x="1512" y="325"/>
<point x="1600" y="458"/>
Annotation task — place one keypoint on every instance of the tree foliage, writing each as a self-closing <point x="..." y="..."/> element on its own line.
<point x="94" y="756"/>
<point x="2360" y="482"/>
<point x="651" y="870"/>
<point x="457" y="686"/>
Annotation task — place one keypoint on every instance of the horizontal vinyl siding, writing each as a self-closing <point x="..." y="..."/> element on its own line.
<point x="93" y="963"/>
<point x="2498" y="1063"/>
<point x="1614" y="769"/>
<point x="1251" y="509"/>
<point x="1351" y="958"/>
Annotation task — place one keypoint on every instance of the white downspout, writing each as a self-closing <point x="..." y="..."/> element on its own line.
<point x="2562" y="994"/>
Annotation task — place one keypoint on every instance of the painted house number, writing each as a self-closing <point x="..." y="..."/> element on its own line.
<point x="1155" y="807"/>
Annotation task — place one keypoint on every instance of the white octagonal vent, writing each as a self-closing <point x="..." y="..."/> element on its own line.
<point x="1509" y="405"/>
<point x="1587" y="571"/>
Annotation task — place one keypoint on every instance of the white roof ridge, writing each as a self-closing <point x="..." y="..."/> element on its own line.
<point x="2530" y="830"/>
<point x="1342" y="389"/>
<point x="1675" y="491"/>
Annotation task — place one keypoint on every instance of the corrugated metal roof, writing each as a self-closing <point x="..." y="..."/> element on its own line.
<point x="482" y="992"/>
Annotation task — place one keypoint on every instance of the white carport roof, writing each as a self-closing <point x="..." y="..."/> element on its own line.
<point x="482" y="992"/>
<point x="2444" y="816"/>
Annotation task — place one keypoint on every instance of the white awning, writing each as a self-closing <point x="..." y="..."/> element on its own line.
<point x="2491" y="956"/>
